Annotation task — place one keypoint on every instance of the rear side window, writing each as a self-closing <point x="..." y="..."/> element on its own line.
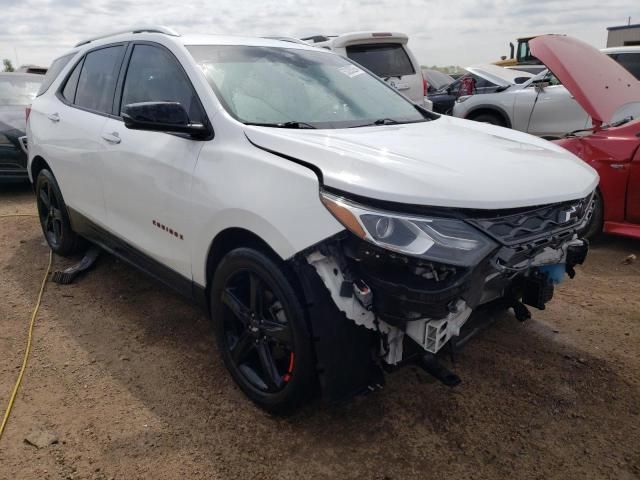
<point x="385" y="60"/>
<point x="69" y="91"/>
<point x="53" y="72"/>
<point x="155" y="76"/>
<point x="97" y="81"/>
<point x="630" y="61"/>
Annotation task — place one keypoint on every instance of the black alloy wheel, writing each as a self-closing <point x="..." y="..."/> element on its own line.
<point x="261" y="332"/>
<point x="54" y="218"/>
<point x="257" y="332"/>
<point x="50" y="213"/>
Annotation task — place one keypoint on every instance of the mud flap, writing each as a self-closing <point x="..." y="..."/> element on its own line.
<point x="344" y="350"/>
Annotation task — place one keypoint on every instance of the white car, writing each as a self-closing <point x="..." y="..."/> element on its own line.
<point x="386" y="54"/>
<point x="329" y="225"/>
<point x="628" y="57"/>
<point x="540" y="106"/>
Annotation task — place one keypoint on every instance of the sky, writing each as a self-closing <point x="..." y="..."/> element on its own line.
<point x="441" y="32"/>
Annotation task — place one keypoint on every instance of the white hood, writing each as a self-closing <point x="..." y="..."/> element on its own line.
<point x="503" y="77"/>
<point x="446" y="162"/>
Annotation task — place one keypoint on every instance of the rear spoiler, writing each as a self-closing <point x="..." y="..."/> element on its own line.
<point x="359" y="38"/>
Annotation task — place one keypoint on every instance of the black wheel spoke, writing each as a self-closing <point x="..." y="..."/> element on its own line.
<point x="57" y="229"/>
<point x="50" y="194"/>
<point x="255" y="294"/>
<point x="242" y="347"/>
<point x="239" y="309"/>
<point x="271" y="376"/>
<point x="57" y="214"/>
<point x="277" y="331"/>
<point x="44" y="198"/>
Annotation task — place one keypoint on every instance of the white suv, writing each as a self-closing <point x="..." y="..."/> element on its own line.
<point x="329" y="225"/>
<point x="386" y="54"/>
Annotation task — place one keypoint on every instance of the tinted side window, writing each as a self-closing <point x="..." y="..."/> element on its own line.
<point x="155" y="76"/>
<point x="97" y="81"/>
<point x="69" y="91"/>
<point x="630" y="61"/>
<point x="53" y="72"/>
<point x="385" y="60"/>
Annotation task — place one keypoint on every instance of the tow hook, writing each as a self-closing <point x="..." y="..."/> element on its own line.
<point x="430" y="364"/>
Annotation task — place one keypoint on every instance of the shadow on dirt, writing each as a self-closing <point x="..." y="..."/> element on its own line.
<point x="527" y="402"/>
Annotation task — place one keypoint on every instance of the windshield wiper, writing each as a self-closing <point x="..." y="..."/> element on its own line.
<point x="385" y="121"/>
<point x="282" y="125"/>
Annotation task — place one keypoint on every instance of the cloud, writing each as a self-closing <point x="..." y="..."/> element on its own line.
<point x="441" y="31"/>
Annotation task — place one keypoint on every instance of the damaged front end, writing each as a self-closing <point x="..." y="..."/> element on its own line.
<point x="408" y="282"/>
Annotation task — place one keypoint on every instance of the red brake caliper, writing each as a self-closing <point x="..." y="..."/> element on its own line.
<point x="287" y="376"/>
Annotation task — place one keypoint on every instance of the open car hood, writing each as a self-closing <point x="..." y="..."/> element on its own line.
<point x="605" y="89"/>
<point x="503" y="77"/>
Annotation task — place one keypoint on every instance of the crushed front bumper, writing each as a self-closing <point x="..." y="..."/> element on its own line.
<point x="407" y="299"/>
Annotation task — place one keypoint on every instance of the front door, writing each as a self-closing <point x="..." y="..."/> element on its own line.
<point x="148" y="175"/>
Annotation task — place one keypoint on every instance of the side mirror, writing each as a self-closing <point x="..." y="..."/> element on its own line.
<point x="161" y="117"/>
<point x="541" y="85"/>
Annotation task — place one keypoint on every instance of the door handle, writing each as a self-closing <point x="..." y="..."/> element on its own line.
<point x="54" y="117"/>
<point x="112" y="137"/>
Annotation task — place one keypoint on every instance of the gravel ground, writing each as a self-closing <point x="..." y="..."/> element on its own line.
<point x="125" y="382"/>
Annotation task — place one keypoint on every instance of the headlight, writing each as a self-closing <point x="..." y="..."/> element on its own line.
<point x="463" y="98"/>
<point x="443" y="240"/>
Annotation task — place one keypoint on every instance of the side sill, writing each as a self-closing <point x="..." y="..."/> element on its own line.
<point x="123" y="250"/>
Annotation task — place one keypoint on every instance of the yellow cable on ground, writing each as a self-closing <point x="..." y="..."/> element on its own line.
<point x="31" y="324"/>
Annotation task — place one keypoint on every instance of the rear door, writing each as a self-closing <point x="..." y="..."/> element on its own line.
<point x="393" y="63"/>
<point x="555" y="111"/>
<point x="148" y="175"/>
<point x="70" y="125"/>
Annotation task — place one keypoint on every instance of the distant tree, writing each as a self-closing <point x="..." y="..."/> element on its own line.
<point x="8" y="66"/>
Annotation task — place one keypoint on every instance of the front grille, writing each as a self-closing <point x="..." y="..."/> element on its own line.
<point x="530" y="224"/>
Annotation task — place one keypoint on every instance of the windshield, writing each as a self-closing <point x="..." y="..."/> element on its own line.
<point x="17" y="89"/>
<point x="290" y="87"/>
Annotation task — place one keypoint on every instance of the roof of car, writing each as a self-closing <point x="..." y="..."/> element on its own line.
<point x="196" y="39"/>
<point x="155" y="32"/>
<point x="627" y="49"/>
<point x="360" y="37"/>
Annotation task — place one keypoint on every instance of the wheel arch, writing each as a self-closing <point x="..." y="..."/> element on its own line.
<point x="227" y="240"/>
<point x="490" y="109"/>
<point x="37" y="165"/>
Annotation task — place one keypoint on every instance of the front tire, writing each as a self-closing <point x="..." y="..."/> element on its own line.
<point x="594" y="228"/>
<point x="261" y="330"/>
<point x="54" y="217"/>
<point x="491" y="118"/>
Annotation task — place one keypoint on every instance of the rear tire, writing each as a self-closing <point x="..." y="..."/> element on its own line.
<point x="261" y="331"/>
<point x="54" y="217"/>
<point x="491" y="118"/>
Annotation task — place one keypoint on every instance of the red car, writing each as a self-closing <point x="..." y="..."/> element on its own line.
<point x="611" y="96"/>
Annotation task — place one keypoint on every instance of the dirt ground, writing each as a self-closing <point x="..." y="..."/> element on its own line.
<point x="126" y="377"/>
